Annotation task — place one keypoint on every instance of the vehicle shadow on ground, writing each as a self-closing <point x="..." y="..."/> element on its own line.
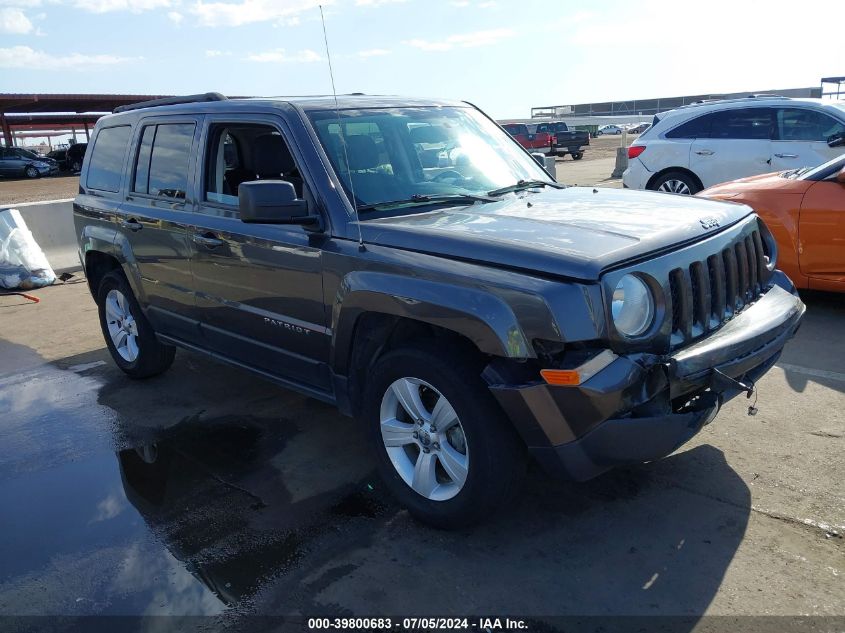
<point x="818" y="346"/>
<point x="270" y="500"/>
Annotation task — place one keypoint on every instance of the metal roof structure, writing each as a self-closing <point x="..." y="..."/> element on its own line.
<point x="63" y="111"/>
<point x="834" y="93"/>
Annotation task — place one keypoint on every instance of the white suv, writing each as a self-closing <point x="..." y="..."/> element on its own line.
<point x="703" y="144"/>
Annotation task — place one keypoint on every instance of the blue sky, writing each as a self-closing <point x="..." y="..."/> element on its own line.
<point x="503" y="55"/>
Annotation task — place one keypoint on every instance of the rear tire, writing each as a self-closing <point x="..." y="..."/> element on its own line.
<point x="455" y="475"/>
<point x="676" y="182"/>
<point x="129" y="336"/>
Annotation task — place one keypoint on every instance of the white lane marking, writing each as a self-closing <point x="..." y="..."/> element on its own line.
<point x="86" y="366"/>
<point x="16" y="205"/>
<point x="815" y="373"/>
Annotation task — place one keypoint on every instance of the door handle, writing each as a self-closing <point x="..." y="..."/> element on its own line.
<point x="705" y="152"/>
<point x="787" y="155"/>
<point x="132" y="224"/>
<point x="207" y="239"/>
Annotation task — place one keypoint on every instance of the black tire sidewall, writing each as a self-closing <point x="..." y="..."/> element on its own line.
<point x="152" y="355"/>
<point x="496" y="459"/>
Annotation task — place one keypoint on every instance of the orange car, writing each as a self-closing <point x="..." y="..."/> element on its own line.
<point x="805" y="211"/>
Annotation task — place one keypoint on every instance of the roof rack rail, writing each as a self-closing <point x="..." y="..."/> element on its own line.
<point x="200" y="98"/>
<point x="731" y="99"/>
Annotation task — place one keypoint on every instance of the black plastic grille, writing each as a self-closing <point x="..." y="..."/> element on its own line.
<point x="707" y="293"/>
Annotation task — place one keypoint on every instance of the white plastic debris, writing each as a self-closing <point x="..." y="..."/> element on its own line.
<point x="23" y="264"/>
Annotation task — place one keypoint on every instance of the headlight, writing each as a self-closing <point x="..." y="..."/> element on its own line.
<point x="40" y="164"/>
<point x="632" y="306"/>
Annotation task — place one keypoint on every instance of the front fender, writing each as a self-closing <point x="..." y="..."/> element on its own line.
<point x="483" y="318"/>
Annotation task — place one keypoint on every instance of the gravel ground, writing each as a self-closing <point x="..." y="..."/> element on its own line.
<point x="15" y="191"/>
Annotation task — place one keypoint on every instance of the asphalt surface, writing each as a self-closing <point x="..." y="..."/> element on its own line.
<point x="206" y="491"/>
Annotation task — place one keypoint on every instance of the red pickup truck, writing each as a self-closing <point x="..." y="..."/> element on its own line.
<point x="532" y="141"/>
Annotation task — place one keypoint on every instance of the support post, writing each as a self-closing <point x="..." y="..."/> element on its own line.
<point x="7" y="131"/>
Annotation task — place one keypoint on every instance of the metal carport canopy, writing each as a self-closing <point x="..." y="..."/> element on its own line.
<point x="19" y="103"/>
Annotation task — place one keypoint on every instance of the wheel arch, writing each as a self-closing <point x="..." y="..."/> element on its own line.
<point x="97" y="265"/>
<point x="683" y="170"/>
<point x="105" y="248"/>
<point x="375" y="312"/>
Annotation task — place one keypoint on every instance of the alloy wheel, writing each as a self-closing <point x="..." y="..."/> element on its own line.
<point x="424" y="439"/>
<point x="675" y="186"/>
<point x="123" y="329"/>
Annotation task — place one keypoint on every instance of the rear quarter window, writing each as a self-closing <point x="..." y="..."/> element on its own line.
<point x="106" y="165"/>
<point x="698" y="127"/>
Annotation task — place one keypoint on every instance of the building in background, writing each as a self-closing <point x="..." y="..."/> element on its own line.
<point x="648" y="107"/>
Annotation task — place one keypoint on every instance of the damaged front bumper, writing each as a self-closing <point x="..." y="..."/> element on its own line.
<point x="629" y="411"/>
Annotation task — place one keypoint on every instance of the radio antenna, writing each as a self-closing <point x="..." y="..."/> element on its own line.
<point x="342" y="135"/>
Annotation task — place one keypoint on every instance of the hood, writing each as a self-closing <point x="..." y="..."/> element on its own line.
<point x="770" y="182"/>
<point x="576" y="232"/>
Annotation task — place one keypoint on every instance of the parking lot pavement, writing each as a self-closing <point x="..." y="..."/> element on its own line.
<point x="587" y="173"/>
<point x="208" y="491"/>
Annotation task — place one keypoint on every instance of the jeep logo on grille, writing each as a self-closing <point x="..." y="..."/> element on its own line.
<point x="709" y="223"/>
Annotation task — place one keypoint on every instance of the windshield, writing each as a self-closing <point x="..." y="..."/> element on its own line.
<point x="421" y="154"/>
<point x="820" y="172"/>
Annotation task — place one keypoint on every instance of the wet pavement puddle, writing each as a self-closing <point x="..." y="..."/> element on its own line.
<point x="190" y="517"/>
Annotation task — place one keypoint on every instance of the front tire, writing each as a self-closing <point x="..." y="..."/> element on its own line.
<point x="443" y="446"/>
<point x="31" y="172"/>
<point x="676" y="182"/>
<point x="76" y="166"/>
<point x="129" y="336"/>
<point x="577" y="155"/>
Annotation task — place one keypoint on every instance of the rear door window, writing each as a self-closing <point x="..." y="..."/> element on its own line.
<point x="742" y="123"/>
<point x="106" y="166"/>
<point x="163" y="158"/>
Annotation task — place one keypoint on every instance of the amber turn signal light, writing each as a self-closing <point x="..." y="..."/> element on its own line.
<point x="561" y="376"/>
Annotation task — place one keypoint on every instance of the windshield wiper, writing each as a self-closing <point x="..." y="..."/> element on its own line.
<point x="419" y="198"/>
<point x="525" y="184"/>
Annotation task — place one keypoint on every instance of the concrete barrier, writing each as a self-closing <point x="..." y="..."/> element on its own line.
<point x="51" y="223"/>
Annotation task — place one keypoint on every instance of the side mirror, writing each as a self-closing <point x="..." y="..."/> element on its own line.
<point x="540" y="158"/>
<point x="840" y="177"/>
<point x="272" y="202"/>
<point x="838" y="140"/>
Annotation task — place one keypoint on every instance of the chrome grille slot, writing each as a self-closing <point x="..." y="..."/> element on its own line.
<point x="732" y="280"/>
<point x="709" y="292"/>
<point x="742" y="266"/>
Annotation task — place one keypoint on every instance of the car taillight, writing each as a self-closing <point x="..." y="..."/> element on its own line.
<point x="635" y="150"/>
<point x="552" y="140"/>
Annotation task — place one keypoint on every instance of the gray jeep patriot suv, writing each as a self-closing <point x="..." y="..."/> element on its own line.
<point x="409" y="262"/>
